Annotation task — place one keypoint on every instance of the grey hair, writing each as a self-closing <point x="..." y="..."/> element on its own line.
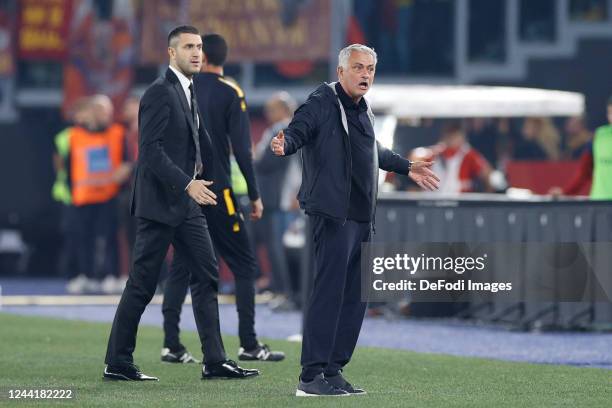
<point x="346" y="52"/>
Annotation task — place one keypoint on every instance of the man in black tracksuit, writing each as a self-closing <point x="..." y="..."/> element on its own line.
<point x="341" y="158"/>
<point x="224" y="111"/>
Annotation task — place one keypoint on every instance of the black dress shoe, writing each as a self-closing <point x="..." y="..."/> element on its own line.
<point x="126" y="373"/>
<point x="226" y="369"/>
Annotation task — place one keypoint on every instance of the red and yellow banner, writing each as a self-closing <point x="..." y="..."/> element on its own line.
<point x="159" y="17"/>
<point x="43" y="29"/>
<point x="256" y="30"/>
<point x="101" y="53"/>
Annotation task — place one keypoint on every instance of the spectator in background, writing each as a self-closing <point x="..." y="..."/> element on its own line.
<point x="483" y="136"/>
<point x="601" y="188"/>
<point x="578" y="138"/>
<point x="80" y="115"/>
<point x="460" y="167"/>
<point x="506" y="134"/>
<point x="272" y="174"/>
<point x="595" y="165"/>
<point x="540" y="140"/>
<point x="97" y="169"/>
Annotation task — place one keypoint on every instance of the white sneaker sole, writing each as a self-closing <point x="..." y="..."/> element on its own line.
<point x="300" y="393"/>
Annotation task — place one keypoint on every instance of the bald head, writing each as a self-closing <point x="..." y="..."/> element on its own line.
<point x="103" y="111"/>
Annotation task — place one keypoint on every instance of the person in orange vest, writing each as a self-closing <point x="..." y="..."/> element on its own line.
<point x="79" y="115"/>
<point x="97" y="169"/>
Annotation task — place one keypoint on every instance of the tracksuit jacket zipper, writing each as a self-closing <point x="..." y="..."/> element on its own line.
<point x="350" y="163"/>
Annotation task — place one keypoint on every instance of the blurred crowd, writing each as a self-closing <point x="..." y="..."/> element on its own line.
<point x="472" y="155"/>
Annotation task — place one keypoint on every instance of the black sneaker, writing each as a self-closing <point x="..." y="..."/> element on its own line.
<point x="182" y="357"/>
<point x="319" y="387"/>
<point x="339" y="382"/>
<point x="126" y="373"/>
<point x="261" y="352"/>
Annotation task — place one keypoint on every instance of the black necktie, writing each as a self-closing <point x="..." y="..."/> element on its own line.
<point x="196" y="136"/>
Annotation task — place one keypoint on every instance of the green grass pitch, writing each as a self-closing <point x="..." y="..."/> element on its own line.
<point x="50" y="353"/>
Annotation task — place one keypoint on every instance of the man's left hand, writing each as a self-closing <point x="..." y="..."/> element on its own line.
<point x="256" y="209"/>
<point x="421" y="174"/>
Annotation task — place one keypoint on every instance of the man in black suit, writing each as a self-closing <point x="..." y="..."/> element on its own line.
<point x="175" y="159"/>
<point x="227" y="122"/>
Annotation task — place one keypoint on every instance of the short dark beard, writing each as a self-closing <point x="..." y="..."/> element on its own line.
<point x="188" y="75"/>
<point x="179" y="69"/>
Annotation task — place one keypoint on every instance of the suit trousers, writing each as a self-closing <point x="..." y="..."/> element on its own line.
<point x="334" y="311"/>
<point x="192" y="242"/>
<point x="231" y="242"/>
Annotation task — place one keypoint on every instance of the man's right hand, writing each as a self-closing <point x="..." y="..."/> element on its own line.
<point x="278" y="144"/>
<point x="199" y="191"/>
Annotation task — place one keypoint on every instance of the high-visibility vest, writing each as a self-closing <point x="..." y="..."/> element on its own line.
<point x="601" y="189"/>
<point x="94" y="157"/>
<point x="61" y="190"/>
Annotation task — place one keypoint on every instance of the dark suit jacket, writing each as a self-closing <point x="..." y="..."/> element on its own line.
<point x="166" y="155"/>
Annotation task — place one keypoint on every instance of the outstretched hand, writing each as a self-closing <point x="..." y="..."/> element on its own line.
<point x="421" y="173"/>
<point x="278" y="144"/>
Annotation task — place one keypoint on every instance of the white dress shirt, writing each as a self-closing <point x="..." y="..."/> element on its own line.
<point x="185" y="83"/>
